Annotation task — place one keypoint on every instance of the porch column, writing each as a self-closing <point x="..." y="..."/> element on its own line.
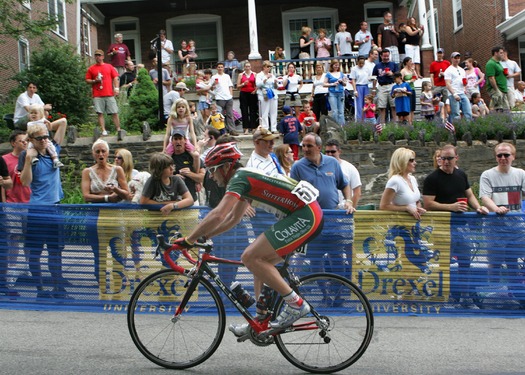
<point x="422" y="9"/>
<point x="252" y="27"/>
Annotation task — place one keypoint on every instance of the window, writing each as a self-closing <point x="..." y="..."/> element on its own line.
<point x="129" y="28"/>
<point x="521" y="62"/>
<point x="374" y="15"/>
<point x="313" y="17"/>
<point x="23" y="54"/>
<point x="86" y="37"/>
<point x="457" y="10"/>
<point x="57" y="10"/>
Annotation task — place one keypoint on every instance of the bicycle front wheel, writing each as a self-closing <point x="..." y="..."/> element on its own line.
<point x="345" y="325"/>
<point x="180" y="341"/>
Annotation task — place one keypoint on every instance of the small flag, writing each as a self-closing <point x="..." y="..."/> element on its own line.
<point x="379" y="128"/>
<point x="450" y="127"/>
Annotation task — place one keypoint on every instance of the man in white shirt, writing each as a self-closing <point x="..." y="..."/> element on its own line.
<point x="343" y="41"/>
<point x="24" y="101"/>
<point x="262" y="157"/>
<point x="456" y="80"/>
<point x="223" y="87"/>
<point x="514" y="71"/>
<point x="519" y="93"/>
<point x="364" y="39"/>
<point x="166" y="48"/>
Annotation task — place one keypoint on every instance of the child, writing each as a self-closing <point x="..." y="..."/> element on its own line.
<point x="290" y="127"/>
<point x="216" y="119"/>
<point x="427" y="106"/>
<point x="439" y="107"/>
<point x="401" y="91"/>
<point x="180" y="119"/>
<point x="308" y="119"/>
<point x="191" y="50"/>
<point x="479" y="108"/>
<point x="37" y="116"/>
<point x="369" y="110"/>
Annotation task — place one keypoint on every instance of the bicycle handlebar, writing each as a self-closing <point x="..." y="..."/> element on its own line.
<point x="168" y="248"/>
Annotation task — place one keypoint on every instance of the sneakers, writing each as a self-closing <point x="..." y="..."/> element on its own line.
<point x="57" y="164"/>
<point x="239" y="330"/>
<point x="290" y="315"/>
<point x="105" y="132"/>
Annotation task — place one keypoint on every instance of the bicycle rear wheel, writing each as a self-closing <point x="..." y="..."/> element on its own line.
<point x="348" y="325"/>
<point x="175" y="342"/>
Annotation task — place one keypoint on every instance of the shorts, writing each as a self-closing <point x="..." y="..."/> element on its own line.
<point x="105" y="104"/>
<point x="383" y="96"/>
<point x="498" y="100"/>
<point x="297" y="229"/>
<point x="394" y="53"/>
<point x="203" y="105"/>
<point x="413" y="52"/>
<point x="293" y="100"/>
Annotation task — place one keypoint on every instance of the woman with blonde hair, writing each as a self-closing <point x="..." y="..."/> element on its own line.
<point x="285" y="156"/>
<point x="336" y="81"/>
<point x="304" y="42"/>
<point x="267" y="96"/>
<point x="401" y="191"/>
<point x="124" y="159"/>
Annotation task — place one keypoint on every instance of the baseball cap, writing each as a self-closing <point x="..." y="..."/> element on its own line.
<point x="99" y="52"/>
<point x="179" y="132"/>
<point x="264" y="134"/>
<point x="440" y="50"/>
<point x="454" y="54"/>
<point x="181" y="86"/>
<point x="287" y="109"/>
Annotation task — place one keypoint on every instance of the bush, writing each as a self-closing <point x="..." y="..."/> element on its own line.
<point x="60" y="74"/>
<point x="143" y="103"/>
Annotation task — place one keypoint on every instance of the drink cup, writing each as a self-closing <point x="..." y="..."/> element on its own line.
<point x="387" y="70"/>
<point x="414" y="77"/>
<point x="463" y="200"/>
<point x="506" y="71"/>
<point x="464" y="81"/>
<point x="216" y="80"/>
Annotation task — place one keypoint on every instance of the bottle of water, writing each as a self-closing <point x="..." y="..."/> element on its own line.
<point x="243" y="296"/>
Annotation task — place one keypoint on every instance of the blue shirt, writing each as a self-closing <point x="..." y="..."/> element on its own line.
<point x="402" y="102"/>
<point x="379" y="72"/>
<point x="327" y="177"/>
<point x="290" y="127"/>
<point x="333" y="79"/>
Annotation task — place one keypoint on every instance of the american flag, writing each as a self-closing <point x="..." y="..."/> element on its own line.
<point x="379" y="128"/>
<point x="450" y="127"/>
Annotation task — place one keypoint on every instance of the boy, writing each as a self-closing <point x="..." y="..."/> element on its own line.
<point x="308" y="119"/>
<point x="400" y="92"/>
<point x="290" y="127"/>
<point x="216" y="119"/>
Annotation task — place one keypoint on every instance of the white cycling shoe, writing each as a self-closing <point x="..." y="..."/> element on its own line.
<point x="239" y="330"/>
<point x="289" y="316"/>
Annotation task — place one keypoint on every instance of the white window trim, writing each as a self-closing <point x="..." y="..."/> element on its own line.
<point x="454" y="11"/>
<point x="86" y="22"/>
<point x="373" y="5"/>
<point x="135" y="34"/>
<point x="27" y="4"/>
<point x="196" y="18"/>
<point x="308" y="13"/>
<point x="26" y="42"/>
<point x="64" y="18"/>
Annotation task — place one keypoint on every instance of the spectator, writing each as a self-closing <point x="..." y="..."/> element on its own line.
<point x="364" y="39"/>
<point x="203" y="87"/>
<point x="248" y="98"/>
<point x="304" y="43"/>
<point x="384" y="71"/>
<point x="290" y="128"/>
<point x="286" y="158"/>
<point x="231" y="65"/>
<point x="308" y="120"/>
<point x="119" y="54"/>
<point x="36" y="115"/>
<point x="497" y="81"/>
<point x="343" y="41"/>
<point x="223" y="87"/>
<point x="479" y="108"/>
<point x="180" y="120"/>
<point x="414" y="33"/>
<point x="456" y="81"/>
<point x="436" y="159"/>
<point x="401" y="41"/>
<point x="333" y="148"/>
<point x="165" y="83"/>
<point x="475" y="77"/>
<point x="513" y="71"/>
<point x="163" y="187"/>
<point x="262" y="157"/>
<point x="369" y="110"/>
<point x="46" y="189"/>
<point x="387" y="36"/>
<point x="519" y="93"/>
<point x="501" y="190"/>
<point x="265" y="82"/>
<point x="401" y="191"/>
<point x="448" y="189"/>
<point x="104" y="82"/>
<point x="124" y="159"/>
<point x="278" y="53"/>
<point x="410" y="76"/>
<point x="23" y="102"/>
<point x="319" y="92"/>
<point x="216" y="119"/>
<point x="336" y="81"/>
<point x="427" y="107"/>
<point x="129" y="77"/>
<point x="359" y="77"/>
<point x="437" y="74"/>
<point x="293" y="83"/>
<point x="169" y="99"/>
<point x="166" y="48"/>
<point x="208" y="141"/>
<point x="323" y="45"/>
<point x="187" y="165"/>
<point x="6" y="183"/>
<point x="187" y="58"/>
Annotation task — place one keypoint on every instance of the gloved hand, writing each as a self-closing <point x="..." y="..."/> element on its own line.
<point x="182" y="242"/>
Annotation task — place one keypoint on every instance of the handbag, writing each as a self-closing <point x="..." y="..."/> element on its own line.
<point x="269" y="93"/>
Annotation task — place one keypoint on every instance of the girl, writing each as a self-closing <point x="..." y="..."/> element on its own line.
<point x="369" y="110"/>
<point x="37" y="116"/>
<point x="427" y="107"/>
<point x="180" y="119"/>
<point x="479" y="108"/>
<point x="323" y="46"/>
<point x="293" y="83"/>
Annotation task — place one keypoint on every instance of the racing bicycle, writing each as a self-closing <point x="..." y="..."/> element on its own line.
<point x="177" y="318"/>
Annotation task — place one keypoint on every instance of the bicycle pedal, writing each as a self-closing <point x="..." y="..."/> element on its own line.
<point x="244" y="338"/>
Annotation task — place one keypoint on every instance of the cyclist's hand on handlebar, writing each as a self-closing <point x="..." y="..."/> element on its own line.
<point x="182" y="242"/>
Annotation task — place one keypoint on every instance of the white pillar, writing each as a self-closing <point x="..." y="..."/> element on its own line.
<point x="252" y="27"/>
<point x="422" y="8"/>
<point x="433" y="31"/>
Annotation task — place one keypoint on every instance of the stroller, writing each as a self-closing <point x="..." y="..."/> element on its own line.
<point x="349" y="105"/>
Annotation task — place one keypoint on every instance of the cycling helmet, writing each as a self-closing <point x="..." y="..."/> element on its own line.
<point x="222" y="153"/>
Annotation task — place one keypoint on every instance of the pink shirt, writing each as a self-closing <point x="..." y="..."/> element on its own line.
<point x="18" y="193"/>
<point x="321" y="50"/>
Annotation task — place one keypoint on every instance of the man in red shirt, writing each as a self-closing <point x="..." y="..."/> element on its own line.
<point x="437" y="74"/>
<point x="119" y="53"/>
<point x="104" y="81"/>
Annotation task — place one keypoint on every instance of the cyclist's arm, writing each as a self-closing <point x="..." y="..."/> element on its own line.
<point x="228" y="213"/>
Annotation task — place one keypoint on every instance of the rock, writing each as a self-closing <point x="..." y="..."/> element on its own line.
<point x="72" y="134"/>
<point x="330" y="129"/>
<point x="146" y="131"/>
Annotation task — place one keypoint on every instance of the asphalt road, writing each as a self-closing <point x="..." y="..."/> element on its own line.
<point x="43" y="342"/>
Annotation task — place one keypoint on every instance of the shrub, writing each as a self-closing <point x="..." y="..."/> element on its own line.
<point x="143" y="103"/>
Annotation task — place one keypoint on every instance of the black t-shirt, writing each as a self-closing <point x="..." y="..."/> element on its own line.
<point x="214" y="193"/>
<point x="4" y="172"/>
<point x="185" y="160"/>
<point x="447" y="188"/>
<point x="305" y="48"/>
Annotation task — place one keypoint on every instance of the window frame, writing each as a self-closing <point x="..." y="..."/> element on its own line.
<point x="61" y="22"/>
<point x="457" y="6"/>
<point x="22" y="44"/>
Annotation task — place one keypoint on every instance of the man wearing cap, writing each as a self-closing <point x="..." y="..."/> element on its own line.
<point x="456" y="81"/>
<point x="497" y="81"/>
<point x="119" y="54"/>
<point x="290" y="128"/>
<point x="178" y="92"/>
<point x="187" y="165"/>
<point x="437" y="74"/>
<point x="262" y="157"/>
<point x="104" y="81"/>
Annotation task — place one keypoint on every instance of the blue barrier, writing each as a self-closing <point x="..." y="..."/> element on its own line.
<point x="91" y="257"/>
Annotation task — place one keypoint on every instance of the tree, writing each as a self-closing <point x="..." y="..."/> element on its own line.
<point x="16" y="19"/>
<point x="143" y="102"/>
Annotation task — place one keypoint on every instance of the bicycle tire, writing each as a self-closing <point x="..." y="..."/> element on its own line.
<point x="351" y="325"/>
<point x="185" y="341"/>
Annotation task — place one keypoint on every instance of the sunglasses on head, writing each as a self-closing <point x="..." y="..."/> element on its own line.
<point x="506" y="156"/>
<point x="41" y="137"/>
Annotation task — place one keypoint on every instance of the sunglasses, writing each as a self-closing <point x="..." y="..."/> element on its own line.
<point x="330" y="151"/>
<point x="449" y="158"/>
<point x="289" y="152"/>
<point x="214" y="168"/>
<point x="118" y="157"/>
<point x="506" y="156"/>
<point x="411" y="160"/>
<point x="41" y="138"/>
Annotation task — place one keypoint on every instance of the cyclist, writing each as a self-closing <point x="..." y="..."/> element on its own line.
<point x="294" y="203"/>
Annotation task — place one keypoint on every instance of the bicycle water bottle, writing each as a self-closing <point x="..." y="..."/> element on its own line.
<point x="242" y="296"/>
<point x="264" y="298"/>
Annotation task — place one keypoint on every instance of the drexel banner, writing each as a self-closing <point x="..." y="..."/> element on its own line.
<point x="92" y="257"/>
